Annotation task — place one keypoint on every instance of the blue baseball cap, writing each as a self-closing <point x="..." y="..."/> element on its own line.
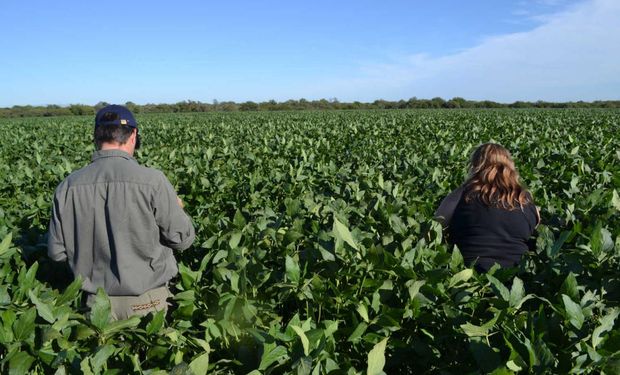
<point x="115" y="115"/>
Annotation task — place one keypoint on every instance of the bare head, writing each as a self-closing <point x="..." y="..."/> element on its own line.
<point x="494" y="179"/>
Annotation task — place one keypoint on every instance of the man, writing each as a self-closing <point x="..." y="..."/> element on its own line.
<point x="117" y="223"/>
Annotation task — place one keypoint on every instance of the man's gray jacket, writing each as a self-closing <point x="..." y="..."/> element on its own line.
<point x="116" y="223"/>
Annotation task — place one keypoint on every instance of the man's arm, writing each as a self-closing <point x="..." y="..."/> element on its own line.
<point x="55" y="241"/>
<point x="175" y="226"/>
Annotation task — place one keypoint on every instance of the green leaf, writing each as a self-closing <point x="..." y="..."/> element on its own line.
<point x="23" y="327"/>
<point x="26" y="282"/>
<point x="501" y="371"/>
<point x="5" y="298"/>
<point x="513" y="366"/>
<point x="499" y="288"/>
<point x="100" y="312"/>
<point x="239" y="220"/>
<point x="5" y="244"/>
<point x="472" y="330"/>
<point x="569" y="287"/>
<point x="456" y="260"/>
<point x="71" y="293"/>
<point x="200" y="364"/>
<point x="376" y="301"/>
<point x="363" y="311"/>
<point x="6" y="328"/>
<point x="119" y="325"/>
<point x="20" y="363"/>
<point x="44" y="310"/>
<point x="235" y="238"/>
<point x="234" y="281"/>
<point x="612" y="367"/>
<point x="601" y="240"/>
<point x="615" y="200"/>
<point x="486" y="358"/>
<point x="573" y="312"/>
<point x="188" y="277"/>
<point x="331" y="365"/>
<point x="358" y="332"/>
<point x="376" y="358"/>
<point x="327" y="255"/>
<point x="101" y="358"/>
<point x="304" y="339"/>
<point x="517" y="292"/>
<point x="342" y="233"/>
<point x="221" y="254"/>
<point x="85" y="366"/>
<point x="557" y="245"/>
<point x="606" y="324"/>
<point x="292" y="270"/>
<point x="155" y="325"/>
<point x="304" y="366"/>
<point x="414" y="287"/>
<point x="462" y="276"/>
<point x="272" y="355"/>
<point x="188" y="296"/>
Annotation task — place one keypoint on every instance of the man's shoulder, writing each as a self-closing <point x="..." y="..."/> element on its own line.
<point x="134" y="172"/>
<point x="73" y="178"/>
<point x="154" y="175"/>
<point x="128" y="172"/>
<point x="151" y="173"/>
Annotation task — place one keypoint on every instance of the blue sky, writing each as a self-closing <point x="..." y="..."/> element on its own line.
<point x="163" y="52"/>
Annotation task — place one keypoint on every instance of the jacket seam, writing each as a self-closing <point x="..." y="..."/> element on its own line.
<point x="111" y="182"/>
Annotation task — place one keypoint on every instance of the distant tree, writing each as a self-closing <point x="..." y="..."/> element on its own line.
<point x="248" y="106"/>
<point x="322" y="104"/>
<point x="379" y="104"/>
<point x="519" y="104"/>
<point x="270" y="105"/>
<point x="303" y="103"/>
<point x="458" y="102"/>
<point x="81" y="110"/>
<point x="133" y="107"/>
<point x="228" y="106"/>
<point x="100" y="105"/>
<point x="437" y="102"/>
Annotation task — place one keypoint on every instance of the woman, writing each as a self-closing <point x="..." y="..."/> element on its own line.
<point x="491" y="216"/>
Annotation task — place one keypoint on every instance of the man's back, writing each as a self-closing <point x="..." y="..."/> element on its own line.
<point x="116" y="223"/>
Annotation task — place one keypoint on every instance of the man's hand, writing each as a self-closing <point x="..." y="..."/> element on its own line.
<point x="180" y="202"/>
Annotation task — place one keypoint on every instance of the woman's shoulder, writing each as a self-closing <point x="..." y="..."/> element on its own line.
<point x="529" y="198"/>
<point x="456" y="194"/>
<point x="530" y="210"/>
<point x="448" y="205"/>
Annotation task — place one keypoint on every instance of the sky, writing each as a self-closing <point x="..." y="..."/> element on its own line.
<point x="68" y="52"/>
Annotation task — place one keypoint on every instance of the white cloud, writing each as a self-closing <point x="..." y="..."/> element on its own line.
<point x="572" y="55"/>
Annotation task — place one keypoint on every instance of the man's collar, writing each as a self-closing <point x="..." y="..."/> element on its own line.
<point x="100" y="154"/>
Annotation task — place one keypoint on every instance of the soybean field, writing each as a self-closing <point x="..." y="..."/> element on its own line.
<point x="316" y="249"/>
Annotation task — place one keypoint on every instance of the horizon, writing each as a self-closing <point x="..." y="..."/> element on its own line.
<point x="330" y="100"/>
<point x="530" y="50"/>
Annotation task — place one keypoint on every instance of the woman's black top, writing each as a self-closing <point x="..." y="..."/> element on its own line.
<point x="486" y="235"/>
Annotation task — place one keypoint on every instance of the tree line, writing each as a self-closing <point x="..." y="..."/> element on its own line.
<point x="294" y="105"/>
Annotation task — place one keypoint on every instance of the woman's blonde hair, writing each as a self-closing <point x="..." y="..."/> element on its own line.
<point x="493" y="178"/>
